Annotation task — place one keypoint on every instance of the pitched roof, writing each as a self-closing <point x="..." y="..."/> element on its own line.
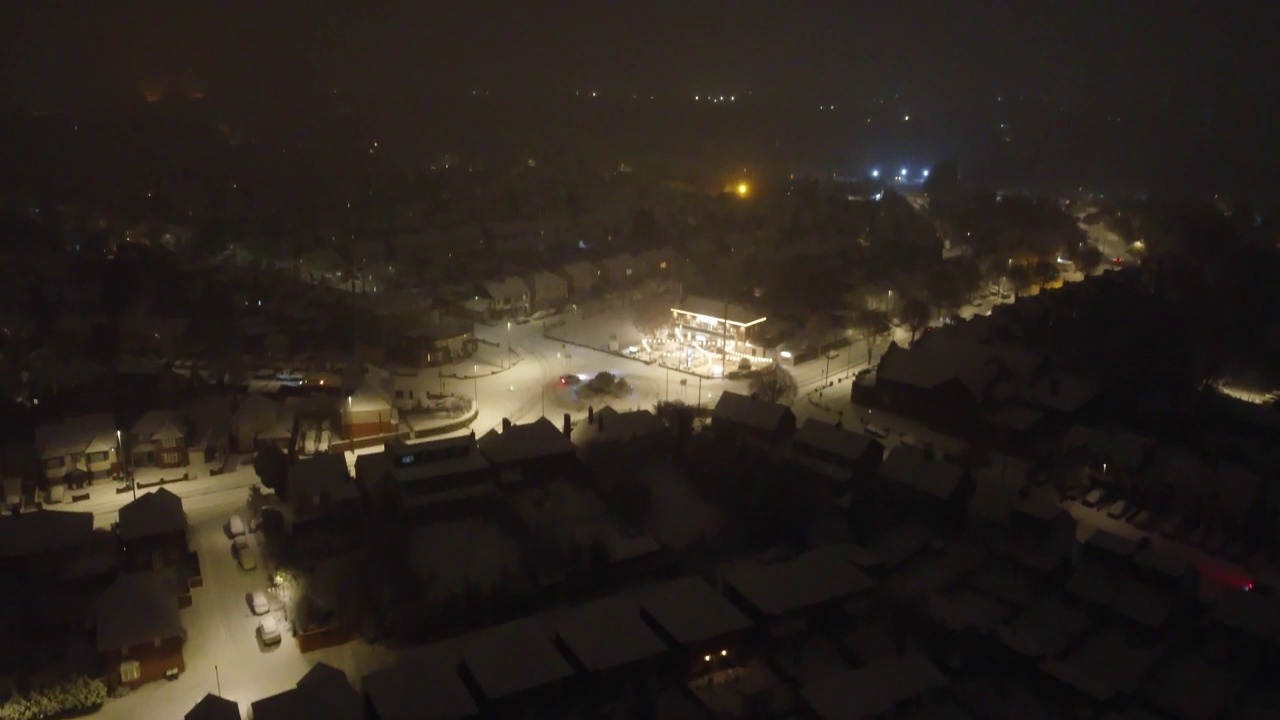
<point x="831" y="440"/>
<point x="323" y="693"/>
<point x="940" y="359"/>
<point x="910" y="466"/>
<point x="322" y="474"/>
<point x="213" y="707"/>
<point x="507" y="288"/>
<point x="136" y="609"/>
<point x="512" y="658"/>
<point x="158" y="425"/>
<point x="82" y="434"/>
<point x="424" y="684"/>
<point x="155" y="513"/>
<point x="606" y="633"/>
<point x="874" y="689"/>
<point x="43" y="531"/>
<point x="738" y="314"/>
<point x="795" y="585"/>
<point x="611" y="425"/>
<point x="745" y="410"/>
<point x="529" y="441"/>
<point x="690" y="610"/>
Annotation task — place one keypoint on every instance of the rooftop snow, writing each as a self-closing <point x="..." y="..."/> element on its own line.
<point x="158" y="425"/>
<point x="910" y="466"/>
<point x="512" y="658"/>
<point x="874" y="689"/>
<point x="611" y="425"/>
<point x="691" y="611"/>
<point x="805" y="581"/>
<point x="155" y="513"/>
<point x="749" y="411"/>
<point x="832" y="441"/>
<point x="213" y="707"/>
<point x="606" y="633"/>
<point x="137" y="609"/>
<point x="82" y="434"/>
<point x="530" y="441"/>
<point x="424" y="684"/>
<point x="736" y="314"/>
<point x="42" y="531"/>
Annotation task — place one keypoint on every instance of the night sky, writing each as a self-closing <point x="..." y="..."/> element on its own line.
<point x="1187" y="80"/>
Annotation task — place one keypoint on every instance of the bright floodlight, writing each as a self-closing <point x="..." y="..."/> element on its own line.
<point x="925" y="173"/>
<point x="875" y="173"/>
<point x="742" y="189"/>
<point x="904" y="172"/>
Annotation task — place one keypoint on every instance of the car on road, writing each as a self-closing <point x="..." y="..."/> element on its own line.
<point x="632" y="350"/>
<point x="570" y="380"/>
<point x="522" y="321"/>
<point x="1094" y="497"/>
<point x="1120" y="510"/>
<point x="257" y="602"/>
<point x="247" y="558"/>
<point x="235" y="526"/>
<point x="269" y="630"/>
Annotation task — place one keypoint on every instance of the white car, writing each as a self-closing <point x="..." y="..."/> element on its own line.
<point x="235" y="526"/>
<point x="258" y="602"/>
<point x="247" y="558"/>
<point x="269" y="630"/>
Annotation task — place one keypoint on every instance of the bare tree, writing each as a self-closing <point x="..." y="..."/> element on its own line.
<point x="915" y="314"/>
<point x="873" y="324"/>
<point x="774" y="384"/>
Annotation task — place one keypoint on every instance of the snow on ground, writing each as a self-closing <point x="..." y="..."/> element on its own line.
<point x="679" y="517"/>
<point x="453" y="556"/>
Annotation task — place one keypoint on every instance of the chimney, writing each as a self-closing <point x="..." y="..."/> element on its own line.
<point x="506" y="424"/>
<point x="568" y="426"/>
<point x="473" y="434"/>
<point x="591" y="415"/>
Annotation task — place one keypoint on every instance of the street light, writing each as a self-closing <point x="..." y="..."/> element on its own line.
<point x="475" y="379"/>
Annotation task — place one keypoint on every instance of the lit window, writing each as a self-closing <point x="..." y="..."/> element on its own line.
<point x="662" y="265"/>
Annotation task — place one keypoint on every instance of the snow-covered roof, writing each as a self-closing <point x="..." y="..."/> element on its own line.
<point x="323" y="474"/>
<point x="744" y="410"/>
<point x="423" y="684"/>
<point x="707" y="307"/>
<point x="873" y="690"/>
<point x="795" y="585"/>
<point x="158" y="425"/>
<point x="156" y="513"/>
<point x="1189" y="688"/>
<point x="214" y="707"/>
<point x="1107" y="665"/>
<point x="909" y="466"/>
<point x="255" y="412"/>
<point x="831" y="441"/>
<point x="691" y="611"/>
<point x="42" y="531"/>
<point x="517" y="443"/>
<point x="606" y="633"/>
<point x="611" y="425"/>
<point x="512" y="658"/>
<point x="508" y="288"/>
<point x="936" y="572"/>
<point x="81" y="434"/>
<point x="581" y="270"/>
<point x="939" y="359"/>
<point x="137" y="609"/>
<point x="1044" y="629"/>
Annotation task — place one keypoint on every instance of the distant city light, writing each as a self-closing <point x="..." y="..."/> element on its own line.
<point x="925" y="173"/>
<point x="875" y="173"/>
<point x="906" y="118"/>
<point x="904" y="172"/>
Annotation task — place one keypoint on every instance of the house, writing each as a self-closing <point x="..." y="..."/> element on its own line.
<point x="662" y="264"/>
<point x="942" y="381"/>
<point x="1106" y="667"/>
<point x="153" y="531"/>
<point x="425" y="683"/>
<point x="367" y="414"/>
<point x="159" y="439"/>
<point x="257" y="421"/>
<point x="508" y="296"/>
<point x="755" y="424"/>
<point x="426" y="478"/>
<point x="890" y="687"/>
<point x="834" y="454"/>
<point x="319" y="493"/>
<point x="636" y="432"/>
<point x="88" y="444"/>
<point x="719" y="323"/>
<point x="550" y="291"/>
<point x="324" y="693"/>
<point x="706" y="631"/>
<point x="788" y="595"/>
<point x="583" y="278"/>
<point x="214" y="707"/>
<point x="139" y="631"/>
<point x="209" y="418"/>
<point x="619" y="271"/>
<point x="515" y="670"/>
<point x="43" y="542"/>
<point x="937" y="487"/>
<point x="530" y="453"/>
<point x="440" y="340"/>
<point x="607" y="640"/>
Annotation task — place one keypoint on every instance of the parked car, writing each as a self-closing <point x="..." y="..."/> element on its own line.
<point x="1094" y="497"/>
<point x="239" y="542"/>
<point x="1120" y="510"/>
<point x="235" y="526"/>
<point x="247" y="558"/>
<point x="269" y="630"/>
<point x="258" y="602"/>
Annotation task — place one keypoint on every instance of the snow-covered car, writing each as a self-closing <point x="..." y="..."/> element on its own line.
<point x="269" y="630"/>
<point x="235" y="526"/>
<point x="247" y="558"/>
<point x="1094" y="497"/>
<point x="257" y="602"/>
